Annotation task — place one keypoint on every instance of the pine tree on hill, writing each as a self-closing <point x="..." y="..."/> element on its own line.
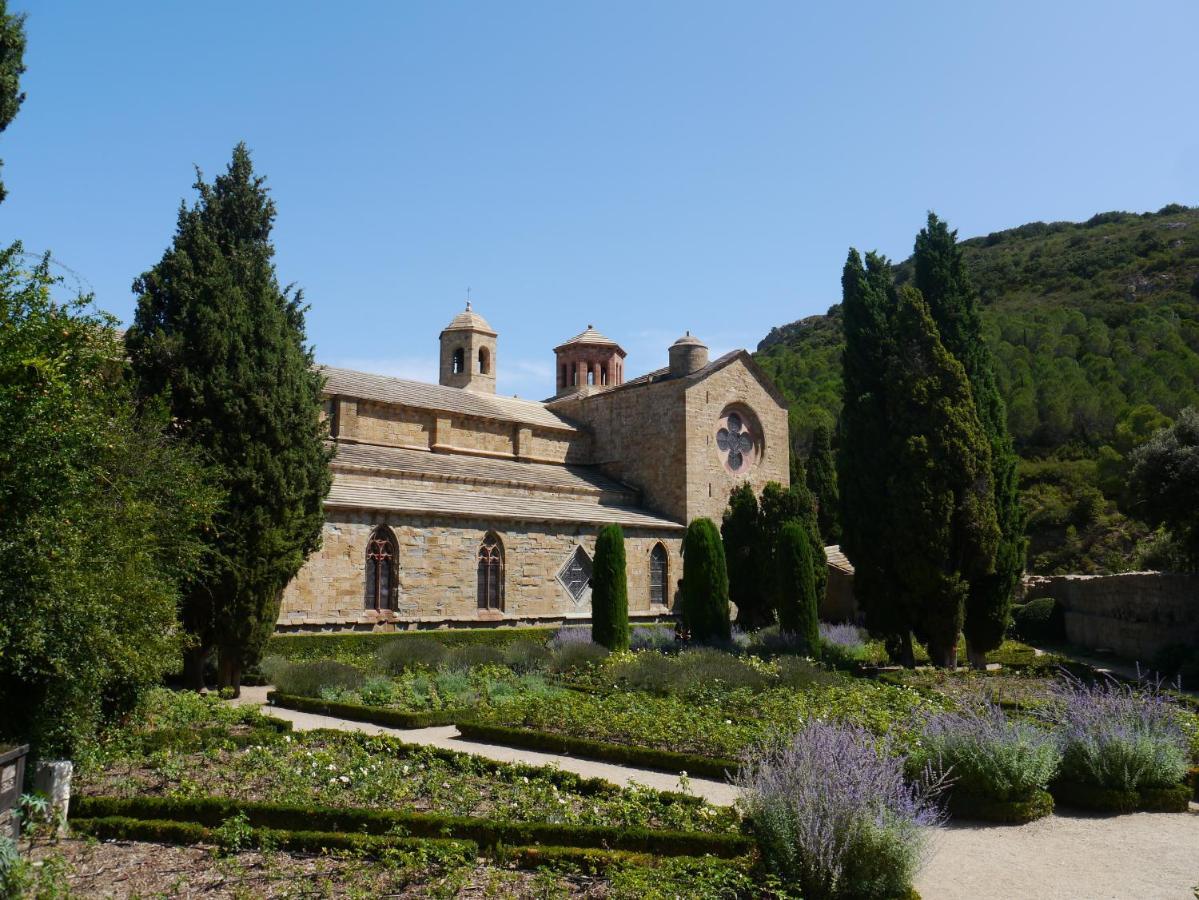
<point x="705" y="587"/>
<point x="12" y="66"/>
<point x="821" y="471"/>
<point x="941" y="276"/>
<point x="218" y="338"/>
<point x="610" y="591"/>
<point x="939" y="510"/>
<point x="864" y="449"/>
<point x="741" y="531"/>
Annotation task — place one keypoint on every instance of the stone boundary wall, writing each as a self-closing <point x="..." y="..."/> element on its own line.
<point x="1134" y="614"/>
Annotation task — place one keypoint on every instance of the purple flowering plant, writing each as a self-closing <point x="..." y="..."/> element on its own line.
<point x="834" y="814"/>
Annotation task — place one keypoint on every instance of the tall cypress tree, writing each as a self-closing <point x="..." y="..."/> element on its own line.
<point x="821" y="469"/>
<point x="705" y="583"/>
<point x="944" y="282"/>
<point x="610" y="591"/>
<point x="224" y="344"/>
<point x="780" y="506"/>
<point x="863" y="457"/>
<point x="939" y="512"/>
<point x="741" y="531"/>
<point x="795" y="577"/>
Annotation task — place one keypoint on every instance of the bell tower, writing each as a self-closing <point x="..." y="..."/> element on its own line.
<point x="468" y="353"/>
<point x="588" y="360"/>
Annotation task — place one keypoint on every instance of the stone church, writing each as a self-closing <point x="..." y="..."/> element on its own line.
<point x="454" y="506"/>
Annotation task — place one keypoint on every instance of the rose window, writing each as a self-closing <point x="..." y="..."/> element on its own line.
<point x="735" y="442"/>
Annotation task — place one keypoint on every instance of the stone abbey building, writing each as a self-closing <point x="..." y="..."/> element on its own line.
<point x="453" y="506"/>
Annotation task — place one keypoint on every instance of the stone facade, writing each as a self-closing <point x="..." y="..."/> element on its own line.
<point x="428" y="477"/>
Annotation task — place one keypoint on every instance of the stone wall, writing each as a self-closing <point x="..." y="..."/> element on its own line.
<point x="437" y="571"/>
<point x="1134" y="614"/>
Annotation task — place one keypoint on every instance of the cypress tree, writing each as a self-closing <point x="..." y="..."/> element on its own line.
<point x="779" y="506"/>
<point x="939" y="509"/>
<point x="798" y="604"/>
<point x="610" y="591"/>
<point x="863" y="457"/>
<point x="705" y="583"/>
<point x="821" y="470"/>
<point x="218" y="338"/>
<point x="12" y="66"/>
<point x="741" y="532"/>
<point x="944" y="282"/>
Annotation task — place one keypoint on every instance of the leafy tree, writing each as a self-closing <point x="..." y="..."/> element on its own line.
<point x="705" y="587"/>
<point x="741" y="531"/>
<point x="12" y="66"/>
<point x="100" y="512"/>
<point x="941" y="276"/>
<point x="821" y="470"/>
<point x="224" y="345"/>
<point x="779" y="506"/>
<point x="798" y="602"/>
<point x="938" y="504"/>
<point x="1165" y="482"/>
<point x="610" y="591"/>
<point x="863" y="459"/>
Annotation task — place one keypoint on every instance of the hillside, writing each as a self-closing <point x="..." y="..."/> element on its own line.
<point x="1089" y="323"/>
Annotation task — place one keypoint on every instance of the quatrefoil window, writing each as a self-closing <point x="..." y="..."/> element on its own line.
<point x="736" y="441"/>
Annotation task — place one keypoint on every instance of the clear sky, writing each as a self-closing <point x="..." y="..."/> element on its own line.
<point x="648" y="167"/>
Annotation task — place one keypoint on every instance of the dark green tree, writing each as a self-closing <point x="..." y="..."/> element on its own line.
<point x="1164" y="482"/>
<point x="779" y="506"/>
<point x="741" y="532"/>
<point x="12" y="66"/>
<point x="218" y="338"/>
<point x="705" y="583"/>
<point x="821" y="470"/>
<point x="938" y="504"/>
<point x="941" y="276"/>
<point x="100" y="517"/>
<point x="794" y="575"/>
<point x="863" y="458"/>
<point x="610" y="591"/>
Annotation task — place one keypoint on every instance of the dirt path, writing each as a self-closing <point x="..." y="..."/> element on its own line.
<point x="1146" y="856"/>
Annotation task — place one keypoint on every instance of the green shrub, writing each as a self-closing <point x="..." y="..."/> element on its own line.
<point x="408" y="654"/>
<point x="308" y="679"/>
<point x="691" y="673"/>
<point x="358" y="712"/>
<point x="362" y="648"/>
<point x="705" y="599"/>
<point x="795" y="585"/>
<point x="610" y="591"/>
<point x="472" y="656"/>
<point x="527" y="656"/>
<point x="271" y="666"/>
<point x="797" y="672"/>
<point x="378" y="691"/>
<point x="1041" y="621"/>
<point x="577" y="657"/>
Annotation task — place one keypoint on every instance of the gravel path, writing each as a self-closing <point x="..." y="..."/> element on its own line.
<point x="1145" y="856"/>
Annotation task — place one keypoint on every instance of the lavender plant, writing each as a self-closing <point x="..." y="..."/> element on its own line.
<point x="570" y="635"/>
<point x="833" y="813"/>
<point x="986" y="754"/>
<point x="1118" y="736"/>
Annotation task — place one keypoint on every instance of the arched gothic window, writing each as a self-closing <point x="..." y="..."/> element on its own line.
<point x="381" y="566"/>
<point x="484" y="361"/>
<point x="658" y="571"/>
<point x="458" y="366"/>
<point x="491" y="573"/>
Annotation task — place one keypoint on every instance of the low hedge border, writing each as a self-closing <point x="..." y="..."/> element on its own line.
<point x="307" y="647"/>
<point x="168" y="831"/>
<point x="357" y="712"/>
<point x="185" y="739"/>
<point x="642" y="757"/>
<point x="590" y="861"/>
<point x="212" y="811"/>
<point x="1008" y="812"/>
<point x="1098" y="799"/>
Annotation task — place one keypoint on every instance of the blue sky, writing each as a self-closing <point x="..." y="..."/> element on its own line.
<point x="646" y="167"/>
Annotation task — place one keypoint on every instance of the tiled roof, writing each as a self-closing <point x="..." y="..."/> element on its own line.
<point x="419" y="395"/>
<point x="469" y="320"/>
<point x="481" y="506"/>
<point x="838" y="560"/>
<point x="590" y="336"/>
<point x="578" y="479"/>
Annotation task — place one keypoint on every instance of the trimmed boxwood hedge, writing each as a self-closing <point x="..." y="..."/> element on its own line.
<point x="1098" y="799"/>
<point x="365" y="644"/>
<point x="1195" y="782"/>
<point x="168" y="831"/>
<point x="1011" y="812"/>
<point x="379" y="715"/>
<point x="643" y="757"/>
<point x="212" y="811"/>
